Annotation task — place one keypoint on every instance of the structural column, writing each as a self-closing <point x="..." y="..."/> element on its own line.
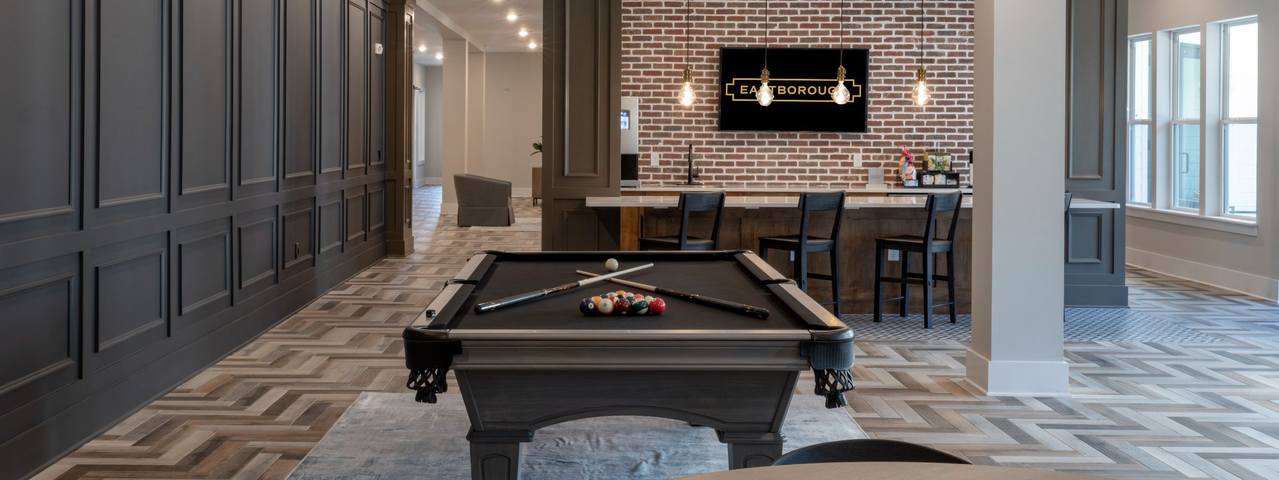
<point x="399" y="80"/>
<point x="1018" y="222"/>
<point x="456" y="100"/>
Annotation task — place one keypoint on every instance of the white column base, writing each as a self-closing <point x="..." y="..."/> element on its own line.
<point x="1018" y="378"/>
<point x="448" y="208"/>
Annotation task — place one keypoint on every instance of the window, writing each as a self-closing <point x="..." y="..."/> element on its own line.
<point x="1186" y="123"/>
<point x="1193" y="102"/>
<point x="1140" y="112"/>
<point x="1239" y="118"/>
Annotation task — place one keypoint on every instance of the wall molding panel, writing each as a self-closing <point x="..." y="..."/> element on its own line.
<point x="175" y="183"/>
<point x="1095" y="151"/>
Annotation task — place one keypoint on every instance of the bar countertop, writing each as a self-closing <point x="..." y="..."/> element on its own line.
<point x="792" y="201"/>
<point x="783" y="190"/>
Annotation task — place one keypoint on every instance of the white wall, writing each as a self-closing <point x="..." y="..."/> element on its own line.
<point x="1243" y="262"/>
<point x="512" y="117"/>
<point x="434" y="77"/>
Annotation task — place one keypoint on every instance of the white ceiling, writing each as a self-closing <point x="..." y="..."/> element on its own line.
<point x="428" y="35"/>
<point x="484" y="24"/>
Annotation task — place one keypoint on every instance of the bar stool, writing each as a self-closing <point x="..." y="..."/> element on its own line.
<point x="810" y="203"/>
<point x="690" y="203"/>
<point x="927" y="246"/>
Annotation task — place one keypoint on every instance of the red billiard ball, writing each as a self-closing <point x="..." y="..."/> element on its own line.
<point x="621" y="306"/>
<point x="657" y="306"/>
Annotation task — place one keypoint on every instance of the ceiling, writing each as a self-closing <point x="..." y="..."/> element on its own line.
<point x="426" y="34"/>
<point x="482" y="22"/>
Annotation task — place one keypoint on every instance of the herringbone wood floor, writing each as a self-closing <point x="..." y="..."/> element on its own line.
<point x="1138" y="410"/>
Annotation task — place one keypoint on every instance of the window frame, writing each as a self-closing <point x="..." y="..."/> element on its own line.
<point x="1227" y="120"/>
<point x="1176" y="120"/>
<point x="1149" y="121"/>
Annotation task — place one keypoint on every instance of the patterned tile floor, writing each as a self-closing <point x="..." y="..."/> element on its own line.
<point x="1198" y="401"/>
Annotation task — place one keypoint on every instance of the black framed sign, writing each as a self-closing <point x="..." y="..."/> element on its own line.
<point x="801" y="80"/>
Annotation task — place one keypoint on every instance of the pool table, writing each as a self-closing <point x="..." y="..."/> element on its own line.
<point x="540" y="363"/>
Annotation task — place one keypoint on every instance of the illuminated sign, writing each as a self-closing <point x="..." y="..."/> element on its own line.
<point x="801" y="81"/>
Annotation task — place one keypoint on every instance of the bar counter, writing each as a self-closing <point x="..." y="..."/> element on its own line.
<point x="869" y="213"/>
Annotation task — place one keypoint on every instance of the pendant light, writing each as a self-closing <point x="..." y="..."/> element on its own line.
<point x="686" y="94"/>
<point x="920" y="92"/>
<point x="765" y="94"/>
<point x="840" y="93"/>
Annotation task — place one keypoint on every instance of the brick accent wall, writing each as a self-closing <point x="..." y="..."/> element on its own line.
<point x="652" y="69"/>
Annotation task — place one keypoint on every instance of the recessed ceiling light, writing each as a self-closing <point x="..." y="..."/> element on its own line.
<point x="511" y="16"/>
<point x="439" y="55"/>
<point x="523" y="32"/>
<point x="422" y="48"/>
<point x="532" y="45"/>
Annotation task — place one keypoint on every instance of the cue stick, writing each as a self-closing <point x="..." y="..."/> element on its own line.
<point x="546" y="292"/>
<point x="742" y="308"/>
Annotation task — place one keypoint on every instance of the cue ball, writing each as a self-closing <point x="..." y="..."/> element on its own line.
<point x="610" y="264"/>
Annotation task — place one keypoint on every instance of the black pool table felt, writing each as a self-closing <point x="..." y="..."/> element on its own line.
<point x="723" y="278"/>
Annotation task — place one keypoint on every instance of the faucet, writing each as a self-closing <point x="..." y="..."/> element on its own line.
<point x="692" y="170"/>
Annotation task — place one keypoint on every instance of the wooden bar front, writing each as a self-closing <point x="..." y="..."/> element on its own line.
<point x="742" y="228"/>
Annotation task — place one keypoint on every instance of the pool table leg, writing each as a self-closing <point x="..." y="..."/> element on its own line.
<point x="746" y="450"/>
<point x="496" y="455"/>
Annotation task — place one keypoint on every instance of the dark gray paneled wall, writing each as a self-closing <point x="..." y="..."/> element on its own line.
<point x="1095" y="166"/>
<point x="175" y="177"/>
<point x="580" y="130"/>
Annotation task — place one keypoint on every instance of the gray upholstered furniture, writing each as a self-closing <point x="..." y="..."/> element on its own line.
<point x="483" y="201"/>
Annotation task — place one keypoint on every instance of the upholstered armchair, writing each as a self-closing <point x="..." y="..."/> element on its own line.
<point x="483" y="201"/>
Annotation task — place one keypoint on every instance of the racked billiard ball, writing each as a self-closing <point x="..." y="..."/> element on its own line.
<point x="657" y="306"/>
<point x="639" y="307"/>
<point x="587" y="307"/>
<point x="606" y="306"/>
<point x="622" y="306"/>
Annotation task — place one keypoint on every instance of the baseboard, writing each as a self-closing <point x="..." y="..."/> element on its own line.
<point x="998" y="378"/>
<point x="433" y="180"/>
<point x="1219" y="277"/>
<point x="522" y="192"/>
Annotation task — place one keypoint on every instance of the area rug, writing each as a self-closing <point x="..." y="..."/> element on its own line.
<point x="389" y="436"/>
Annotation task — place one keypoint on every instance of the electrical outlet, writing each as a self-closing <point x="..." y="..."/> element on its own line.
<point x="652" y="159"/>
<point x="857" y="160"/>
<point x="894" y="256"/>
<point x="792" y="256"/>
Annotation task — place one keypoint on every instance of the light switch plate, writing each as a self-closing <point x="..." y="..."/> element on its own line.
<point x="377" y="48"/>
<point x="894" y="256"/>
<point x="652" y="159"/>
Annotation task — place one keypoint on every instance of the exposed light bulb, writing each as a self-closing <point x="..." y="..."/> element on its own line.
<point x="921" y="87"/>
<point x="532" y="45"/>
<point x="840" y="93"/>
<point x="511" y="16"/>
<point x="686" y="94"/>
<point x="765" y="94"/>
<point x="439" y="55"/>
<point x="421" y="48"/>
<point x="523" y="32"/>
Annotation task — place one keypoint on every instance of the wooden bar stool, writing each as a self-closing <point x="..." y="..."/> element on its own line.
<point x="690" y="203"/>
<point x="810" y="203"/>
<point x="927" y="246"/>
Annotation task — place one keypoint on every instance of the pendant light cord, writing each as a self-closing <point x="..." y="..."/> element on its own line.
<point x="843" y="18"/>
<point x="687" y="13"/>
<point x="921" y="34"/>
<point x="766" y="39"/>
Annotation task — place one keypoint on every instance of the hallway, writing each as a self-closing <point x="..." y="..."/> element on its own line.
<point x="1138" y="409"/>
